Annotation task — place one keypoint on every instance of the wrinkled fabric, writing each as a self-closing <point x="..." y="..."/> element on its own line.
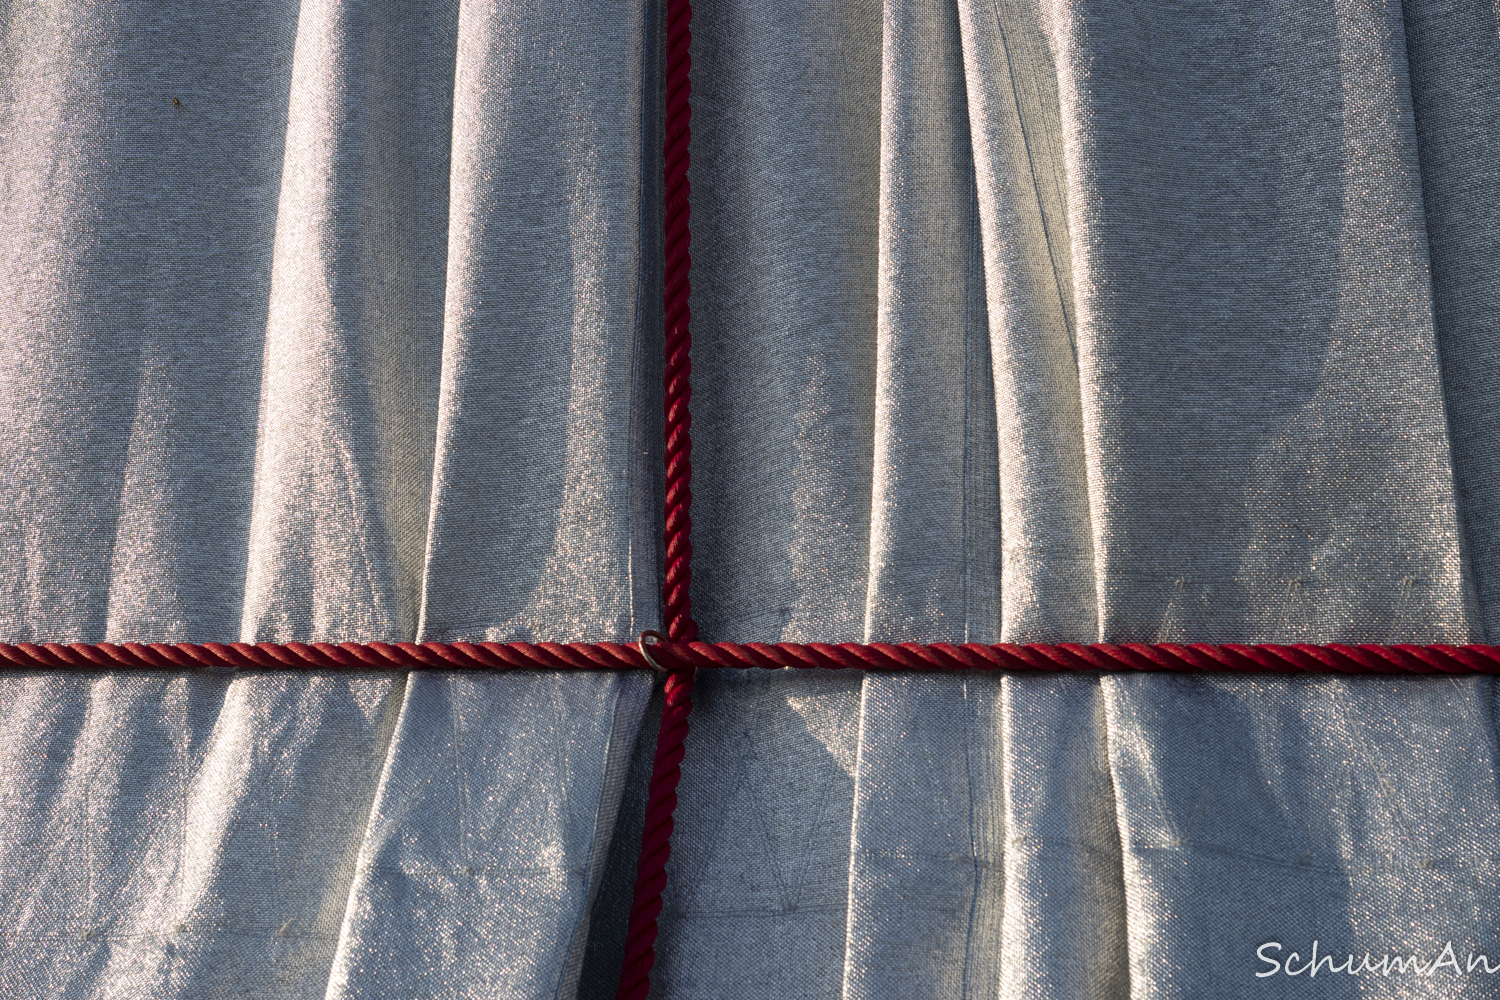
<point x="1020" y="321"/>
<point x="1223" y="399"/>
<point x="281" y="363"/>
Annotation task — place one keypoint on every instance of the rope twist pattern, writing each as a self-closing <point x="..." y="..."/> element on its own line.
<point x="1189" y="658"/>
<point x="323" y="656"/>
<point x="661" y="796"/>
<point x="683" y="657"/>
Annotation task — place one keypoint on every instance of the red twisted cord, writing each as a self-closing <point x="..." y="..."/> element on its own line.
<point x="1190" y="658"/>
<point x="661" y="797"/>
<point x="323" y="656"/>
<point x="677" y="365"/>
<point x="683" y="657"/>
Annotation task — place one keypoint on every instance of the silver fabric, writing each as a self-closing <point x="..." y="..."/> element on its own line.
<point x="292" y="835"/>
<point x="1021" y="320"/>
<point x="1226" y="397"/>
<point x="281" y="361"/>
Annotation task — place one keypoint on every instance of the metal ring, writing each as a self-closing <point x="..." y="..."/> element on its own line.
<point x="641" y="645"/>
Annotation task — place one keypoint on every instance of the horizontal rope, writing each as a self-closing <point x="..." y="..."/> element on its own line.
<point x="325" y="656"/>
<point x="1191" y="658"/>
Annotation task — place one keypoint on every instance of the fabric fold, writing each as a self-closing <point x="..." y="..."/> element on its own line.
<point x="785" y="301"/>
<point x="1355" y="812"/>
<point x="935" y="521"/>
<point x="928" y="840"/>
<point x="349" y="388"/>
<point x="1268" y="447"/>
<point x="1269" y="462"/>
<point x="139" y="203"/>
<point x="1452" y="51"/>
<point x="1067" y="932"/>
<point x="229" y="240"/>
<point x="488" y="835"/>
<point x="1022" y="175"/>
<point x="757" y="889"/>
<point x="188" y="835"/>
<point x="549" y="411"/>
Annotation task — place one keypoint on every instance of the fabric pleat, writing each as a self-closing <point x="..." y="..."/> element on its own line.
<point x="487" y="838"/>
<point x="1452" y="50"/>
<point x="541" y="525"/>
<point x="927" y="840"/>
<point x="1220" y="415"/>
<point x="934" y="548"/>
<point x="239" y="364"/>
<point x="1014" y="320"/>
<point x="354" y="337"/>
<point x="1046" y="533"/>
<point x="174" y="836"/>
<point x="137" y="265"/>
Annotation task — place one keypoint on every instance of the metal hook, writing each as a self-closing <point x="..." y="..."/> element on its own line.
<point x="652" y="638"/>
<point x="640" y="644"/>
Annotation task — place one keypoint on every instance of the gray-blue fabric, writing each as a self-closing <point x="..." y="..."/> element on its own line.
<point x="1014" y="320"/>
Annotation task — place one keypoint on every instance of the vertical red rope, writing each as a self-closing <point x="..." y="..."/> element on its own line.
<point x="651" y="872"/>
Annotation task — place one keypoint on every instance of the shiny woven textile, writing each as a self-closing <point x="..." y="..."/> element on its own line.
<point x="1013" y="321"/>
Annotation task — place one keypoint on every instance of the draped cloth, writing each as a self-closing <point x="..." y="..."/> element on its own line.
<point x="1014" y="321"/>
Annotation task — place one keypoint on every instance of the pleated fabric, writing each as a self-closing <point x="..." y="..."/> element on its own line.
<point x="1163" y="349"/>
<point x="328" y="321"/>
<point x="1014" y="321"/>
